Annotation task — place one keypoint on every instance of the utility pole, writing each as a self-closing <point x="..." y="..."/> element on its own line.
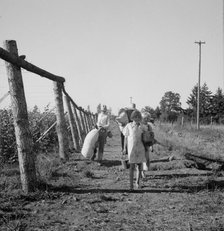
<point x="131" y="100"/>
<point x="199" y="79"/>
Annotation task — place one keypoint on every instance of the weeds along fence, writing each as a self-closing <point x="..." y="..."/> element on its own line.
<point x="80" y="121"/>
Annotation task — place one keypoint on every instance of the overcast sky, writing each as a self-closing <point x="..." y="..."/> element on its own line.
<point x="111" y="50"/>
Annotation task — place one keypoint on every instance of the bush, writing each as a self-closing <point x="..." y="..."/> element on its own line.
<point x="7" y="135"/>
<point x="39" y="123"/>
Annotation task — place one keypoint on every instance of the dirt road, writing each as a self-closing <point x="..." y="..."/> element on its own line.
<point x="85" y="196"/>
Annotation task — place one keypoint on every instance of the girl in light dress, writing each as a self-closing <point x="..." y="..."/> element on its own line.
<point x="136" y="150"/>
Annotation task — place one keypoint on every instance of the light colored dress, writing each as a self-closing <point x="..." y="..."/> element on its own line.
<point x="136" y="149"/>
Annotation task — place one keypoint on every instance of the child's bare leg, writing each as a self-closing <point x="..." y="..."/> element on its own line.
<point x="138" y="175"/>
<point x="147" y="157"/>
<point x="131" y="174"/>
<point x="143" y="172"/>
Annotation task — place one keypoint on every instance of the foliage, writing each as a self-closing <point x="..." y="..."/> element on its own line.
<point x="39" y="123"/>
<point x="218" y="106"/>
<point x="157" y="112"/>
<point x="210" y="106"/>
<point x="7" y="135"/>
<point x="170" y="106"/>
<point x="150" y="110"/>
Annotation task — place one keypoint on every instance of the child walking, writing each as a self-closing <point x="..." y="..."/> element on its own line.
<point x="145" y="121"/>
<point x="103" y="124"/>
<point x="136" y="150"/>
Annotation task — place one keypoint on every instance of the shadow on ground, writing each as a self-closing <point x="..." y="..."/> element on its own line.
<point x="210" y="185"/>
<point x="87" y="191"/>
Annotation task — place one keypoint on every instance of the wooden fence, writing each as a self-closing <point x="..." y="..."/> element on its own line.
<point x="81" y="121"/>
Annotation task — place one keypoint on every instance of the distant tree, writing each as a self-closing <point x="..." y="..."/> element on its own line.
<point x="150" y="110"/>
<point x="205" y="105"/>
<point x="157" y="112"/>
<point x="192" y="102"/>
<point x="218" y="106"/>
<point x="206" y="101"/>
<point x="170" y="106"/>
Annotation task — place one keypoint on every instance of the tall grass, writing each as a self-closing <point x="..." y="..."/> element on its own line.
<point x="39" y="122"/>
<point x="207" y="141"/>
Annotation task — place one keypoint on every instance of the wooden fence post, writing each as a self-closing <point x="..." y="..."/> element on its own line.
<point x="74" y="130"/>
<point x="96" y="117"/>
<point x="93" y="119"/>
<point x="86" y="121"/>
<point x="22" y="132"/>
<point x="83" y="124"/>
<point x="61" y="125"/>
<point x="89" y="121"/>
<point x="79" y="128"/>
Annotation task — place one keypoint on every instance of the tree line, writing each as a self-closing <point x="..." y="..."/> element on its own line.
<point x="211" y="107"/>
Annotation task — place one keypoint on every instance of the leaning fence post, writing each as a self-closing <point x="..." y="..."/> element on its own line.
<point x="86" y="121"/>
<point x="95" y="118"/>
<point x="79" y="128"/>
<point x="21" y="123"/>
<point x="90" y="121"/>
<point x="61" y="125"/>
<point x="83" y="124"/>
<point x="74" y="130"/>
